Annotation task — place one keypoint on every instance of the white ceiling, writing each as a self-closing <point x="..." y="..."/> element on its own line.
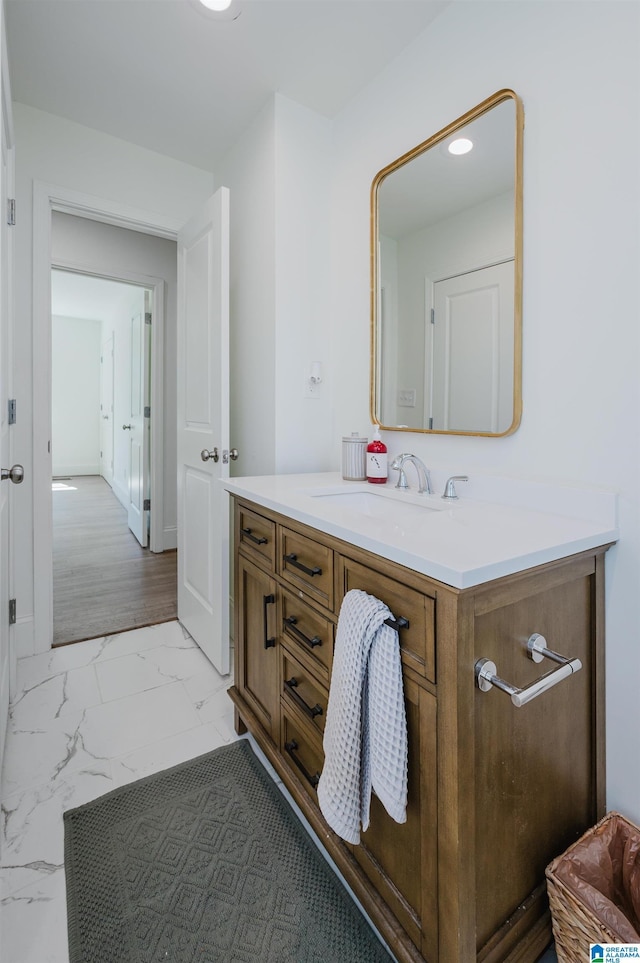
<point x="89" y="298"/>
<point x="167" y="76"/>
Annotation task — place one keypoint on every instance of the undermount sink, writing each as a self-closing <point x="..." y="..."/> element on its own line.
<point x="388" y="505"/>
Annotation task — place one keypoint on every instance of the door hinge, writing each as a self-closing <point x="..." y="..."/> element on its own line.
<point x="146" y="505"/>
<point x="433" y="315"/>
<point x="147" y="411"/>
<point x="12" y="612"/>
<point x="12" y="411"/>
<point x="11" y="211"/>
<point x="430" y="423"/>
<point x="147" y="317"/>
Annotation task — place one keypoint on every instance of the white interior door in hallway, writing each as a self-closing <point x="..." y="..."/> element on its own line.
<point x="138" y="423"/>
<point x="6" y="489"/>
<point x="203" y="429"/>
<point x="106" y="410"/>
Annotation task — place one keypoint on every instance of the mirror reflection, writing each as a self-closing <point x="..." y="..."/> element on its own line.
<point x="446" y="292"/>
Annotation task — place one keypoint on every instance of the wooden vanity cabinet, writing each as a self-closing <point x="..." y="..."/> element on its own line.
<point x="495" y="792"/>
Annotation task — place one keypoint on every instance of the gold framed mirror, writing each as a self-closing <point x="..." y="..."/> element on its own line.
<point x="446" y="278"/>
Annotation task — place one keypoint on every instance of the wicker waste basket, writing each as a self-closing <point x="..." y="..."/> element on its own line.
<point x="594" y="889"/>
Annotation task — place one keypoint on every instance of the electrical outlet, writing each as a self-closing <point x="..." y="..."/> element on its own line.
<point x="407" y="398"/>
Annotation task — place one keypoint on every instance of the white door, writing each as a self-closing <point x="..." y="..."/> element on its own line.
<point x="137" y="428"/>
<point x="106" y="410"/>
<point x="6" y="657"/>
<point x="203" y="428"/>
<point x="473" y="351"/>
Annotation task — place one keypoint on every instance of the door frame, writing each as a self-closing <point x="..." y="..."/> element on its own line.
<point x="48" y="198"/>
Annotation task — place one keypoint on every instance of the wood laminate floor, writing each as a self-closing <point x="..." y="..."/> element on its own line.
<point x="103" y="581"/>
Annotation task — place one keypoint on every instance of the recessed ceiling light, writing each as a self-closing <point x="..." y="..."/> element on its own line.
<point x="461" y="145"/>
<point x="221" y="10"/>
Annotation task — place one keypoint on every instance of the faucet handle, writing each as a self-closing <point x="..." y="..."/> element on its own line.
<point x="398" y="465"/>
<point x="450" y="488"/>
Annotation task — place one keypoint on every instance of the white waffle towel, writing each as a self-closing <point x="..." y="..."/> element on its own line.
<point x="365" y="738"/>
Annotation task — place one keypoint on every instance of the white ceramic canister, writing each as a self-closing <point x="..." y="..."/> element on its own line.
<point x="354" y="458"/>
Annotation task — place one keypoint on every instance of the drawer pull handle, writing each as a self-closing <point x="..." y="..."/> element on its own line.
<point x="291" y="748"/>
<point x="311" y="711"/>
<point x="486" y="677"/>
<point x="292" y="558"/>
<point x="290" y="622"/>
<point x="269" y="643"/>
<point x="259" y="540"/>
<point x="397" y="624"/>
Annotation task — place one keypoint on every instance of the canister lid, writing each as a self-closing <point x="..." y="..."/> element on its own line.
<point x="354" y="438"/>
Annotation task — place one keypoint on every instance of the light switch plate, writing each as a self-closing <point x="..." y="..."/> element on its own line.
<point x="407" y="398"/>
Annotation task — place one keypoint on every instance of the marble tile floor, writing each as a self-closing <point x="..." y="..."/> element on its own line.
<point x="87" y="718"/>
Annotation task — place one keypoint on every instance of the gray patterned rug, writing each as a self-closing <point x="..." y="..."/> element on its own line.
<point x="202" y="863"/>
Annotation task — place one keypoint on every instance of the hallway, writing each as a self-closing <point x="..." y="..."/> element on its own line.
<point x="103" y="581"/>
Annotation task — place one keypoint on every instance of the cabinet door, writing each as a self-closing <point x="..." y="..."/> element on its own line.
<point x="534" y="788"/>
<point x="257" y="670"/>
<point x="400" y="859"/>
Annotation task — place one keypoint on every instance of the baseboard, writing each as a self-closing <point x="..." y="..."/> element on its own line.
<point x="169" y="539"/>
<point x="121" y="494"/>
<point x="64" y="471"/>
<point x="24" y="637"/>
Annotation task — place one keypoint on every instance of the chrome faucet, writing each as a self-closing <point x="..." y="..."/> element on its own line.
<point x="424" y="475"/>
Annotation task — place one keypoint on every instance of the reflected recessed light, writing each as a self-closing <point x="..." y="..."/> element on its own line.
<point x="222" y="10"/>
<point x="461" y="145"/>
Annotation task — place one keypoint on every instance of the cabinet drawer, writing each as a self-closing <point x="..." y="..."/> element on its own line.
<point x="417" y="642"/>
<point x="307" y="565"/>
<point x="301" y="749"/>
<point x="308" y="635"/>
<point x="257" y="535"/>
<point x="300" y="687"/>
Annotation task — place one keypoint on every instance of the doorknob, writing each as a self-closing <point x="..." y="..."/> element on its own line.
<point x="14" y="474"/>
<point x="206" y="455"/>
<point x="126" y="427"/>
<point x="226" y="455"/>
<point x="233" y="454"/>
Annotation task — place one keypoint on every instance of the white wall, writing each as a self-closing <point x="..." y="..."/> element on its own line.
<point x="278" y="175"/>
<point x="75" y="396"/>
<point x="248" y="172"/>
<point x="55" y="151"/>
<point x="575" y="67"/>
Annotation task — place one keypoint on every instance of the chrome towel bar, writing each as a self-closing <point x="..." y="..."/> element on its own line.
<point x="486" y="678"/>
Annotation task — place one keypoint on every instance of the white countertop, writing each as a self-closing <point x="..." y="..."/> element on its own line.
<point x="462" y="543"/>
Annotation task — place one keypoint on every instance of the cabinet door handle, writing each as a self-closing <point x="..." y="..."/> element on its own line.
<point x="291" y="748"/>
<point x="269" y="643"/>
<point x="486" y="677"/>
<point x="397" y="624"/>
<point x="259" y="540"/>
<point x="290" y="622"/>
<point x="311" y="711"/>
<point x="292" y="558"/>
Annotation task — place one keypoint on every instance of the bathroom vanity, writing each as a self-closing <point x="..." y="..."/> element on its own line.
<point x="495" y="791"/>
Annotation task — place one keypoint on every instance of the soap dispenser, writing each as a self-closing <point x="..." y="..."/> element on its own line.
<point x="376" y="459"/>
